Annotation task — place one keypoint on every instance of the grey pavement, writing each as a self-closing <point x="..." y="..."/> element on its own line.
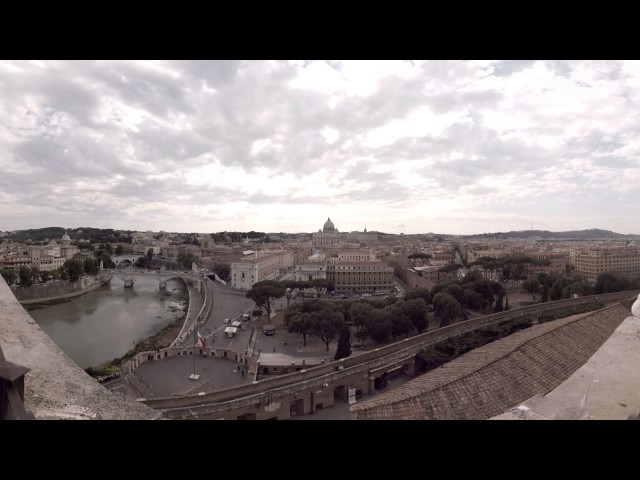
<point x="170" y="376"/>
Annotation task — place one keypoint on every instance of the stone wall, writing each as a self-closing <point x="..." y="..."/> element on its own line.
<point x="413" y="280"/>
<point x="57" y="290"/>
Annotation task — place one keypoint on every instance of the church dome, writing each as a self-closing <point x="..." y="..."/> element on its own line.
<point x="328" y="226"/>
<point x="66" y="236"/>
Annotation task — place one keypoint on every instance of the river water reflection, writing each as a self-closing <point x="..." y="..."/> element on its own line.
<point x="106" y="323"/>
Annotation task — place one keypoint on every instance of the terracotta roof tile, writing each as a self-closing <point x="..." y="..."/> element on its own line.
<point x="491" y="379"/>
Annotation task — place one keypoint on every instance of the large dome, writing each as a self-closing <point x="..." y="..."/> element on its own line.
<point x="328" y="226"/>
<point x="66" y="236"/>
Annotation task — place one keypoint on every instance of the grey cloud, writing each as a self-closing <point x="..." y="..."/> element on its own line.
<point x="153" y="92"/>
<point x="506" y="68"/>
<point x="560" y="67"/>
<point x="593" y="142"/>
<point x="473" y="100"/>
<point x="217" y="73"/>
<point x="616" y="162"/>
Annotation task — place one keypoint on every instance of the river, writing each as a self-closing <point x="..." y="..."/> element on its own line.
<point x="106" y="323"/>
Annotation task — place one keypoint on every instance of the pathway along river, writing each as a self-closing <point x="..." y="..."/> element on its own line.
<point x="106" y="323"/>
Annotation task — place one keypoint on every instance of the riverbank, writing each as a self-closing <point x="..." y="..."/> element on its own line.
<point x="53" y="292"/>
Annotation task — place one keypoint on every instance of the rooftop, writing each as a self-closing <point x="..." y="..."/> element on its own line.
<point x="492" y="379"/>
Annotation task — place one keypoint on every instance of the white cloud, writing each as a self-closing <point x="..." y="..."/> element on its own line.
<point x="442" y="146"/>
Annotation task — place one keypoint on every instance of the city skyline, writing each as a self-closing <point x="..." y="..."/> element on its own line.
<point x="455" y="147"/>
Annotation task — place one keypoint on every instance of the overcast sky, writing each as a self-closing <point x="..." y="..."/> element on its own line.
<point x="455" y="147"/>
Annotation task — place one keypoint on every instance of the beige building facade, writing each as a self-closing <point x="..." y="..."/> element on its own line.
<point x="248" y="271"/>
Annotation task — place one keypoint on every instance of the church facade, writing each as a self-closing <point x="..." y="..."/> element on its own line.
<point x="329" y="235"/>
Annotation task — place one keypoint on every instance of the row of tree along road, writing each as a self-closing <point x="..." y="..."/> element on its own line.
<point x="390" y="318"/>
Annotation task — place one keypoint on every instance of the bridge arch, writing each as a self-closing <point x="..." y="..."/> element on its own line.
<point x="125" y="260"/>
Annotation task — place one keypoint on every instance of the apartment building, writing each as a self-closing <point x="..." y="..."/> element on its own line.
<point x="357" y="277"/>
<point x="591" y="262"/>
<point x="248" y="271"/>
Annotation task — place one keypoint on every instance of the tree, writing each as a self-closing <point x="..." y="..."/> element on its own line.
<point x="264" y="293"/>
<point x="104" y="256"/>
<point x="119" y="250"/>
<point x="326" y="324"/>
<point x="418" y="293"/>
<point x="45" y="276"/>
<point x="302" y="288"/>
<point x="359" y="313"/>
<point x="299" y="323"/>
<point x="471" y="299"/>
<point x="9" y="275"/>
<point x="73" y="268"/>
<point x="344" y="344"/>
<point x="446" y="308"/>
<point x="223" y="270"/>
<point x="26" y="276"/>
<point x="186" y="259"/>
<point x="141" y="262"/>
<point x="321" y="286"/>
<point x="609" y="282"/>
<point x="416" y="312"/>
<point x="150" y="254"/>
<point x="531" y="285"/>
<point x="91" y="266"/>
<point x="400" y="321"/>
<point x="379" y="325"/>
<point x="545" y="294"/>
<point x="106" y="247"/>
<point x="290" y="288"/>
<point x="555" y="293"/>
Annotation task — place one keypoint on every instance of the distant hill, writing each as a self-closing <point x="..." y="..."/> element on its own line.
<point x="94" y="235"/>
<point x="591" y="234"/>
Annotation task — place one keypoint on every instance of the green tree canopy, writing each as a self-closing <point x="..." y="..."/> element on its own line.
<point x="91" y="266"/>
<point x="298" y="322"/>
<point x="9" y="275"/>
<point x="419" y="292"/>
<point x="609" y="282"/>
<point x="74" y="269"/>
<point x="26" y="276"/>
<point x="186" y="259"/>
<point x="446" y="308"/>
<point x="359" y="312"/>
<point x="321" y="286"/>
<point x="532" y="285"/>
<point x="264" y="293"/>
<point x="326" y="324"/>
<point x="378" y="325"/>
<point x="344" y="344"/>
<point x="290" y="287"/>
<point x="223" y="270"/>
<point x="400" y="320"/>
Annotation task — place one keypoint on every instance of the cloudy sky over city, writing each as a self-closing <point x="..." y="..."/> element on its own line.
<point x="455" y="147"/>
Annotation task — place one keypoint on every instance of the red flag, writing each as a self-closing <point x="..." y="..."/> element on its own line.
<point x="200" y="339"/>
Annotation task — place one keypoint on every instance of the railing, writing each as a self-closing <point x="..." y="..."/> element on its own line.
<point x="12" y="391"/>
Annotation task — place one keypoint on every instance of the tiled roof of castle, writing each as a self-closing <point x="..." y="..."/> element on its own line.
<point x="491" y="379"/>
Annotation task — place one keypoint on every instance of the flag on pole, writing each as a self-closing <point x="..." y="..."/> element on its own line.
<point x="199" y="339"/>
